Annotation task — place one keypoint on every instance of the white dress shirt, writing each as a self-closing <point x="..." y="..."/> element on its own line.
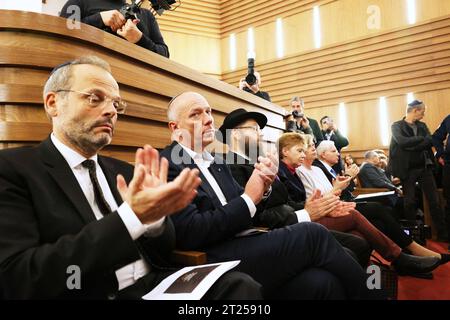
<point x="203" y="161"/>
<point x="130" y="273"/>
<point x="329" y="168"/>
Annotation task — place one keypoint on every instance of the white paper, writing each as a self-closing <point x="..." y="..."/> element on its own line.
<point x="375" y="194"/>
<point x="190" y="283"/>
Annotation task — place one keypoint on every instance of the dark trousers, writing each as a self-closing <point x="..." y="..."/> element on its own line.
<point x="428" y="185"/>
<point x="356" y="246"/>
<point x="279" y="259"/>
<point x="356" y="223"/>
<point x="233" y="285"/>
<point x="382" y="217"/>
<point x="446" y="186"/>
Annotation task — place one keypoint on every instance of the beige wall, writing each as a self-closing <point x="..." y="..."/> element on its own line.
<point x="341" y="20"/>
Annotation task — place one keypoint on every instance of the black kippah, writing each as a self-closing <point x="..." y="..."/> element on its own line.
<point x="415" y="103"/>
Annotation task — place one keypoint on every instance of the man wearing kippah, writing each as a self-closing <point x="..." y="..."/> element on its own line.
<point x="412" y="160"/>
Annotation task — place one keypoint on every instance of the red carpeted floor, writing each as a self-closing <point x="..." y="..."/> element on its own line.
<point x="438" y="288"/>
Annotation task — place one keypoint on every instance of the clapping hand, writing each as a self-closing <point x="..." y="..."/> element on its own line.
<point x="149" y="194"/>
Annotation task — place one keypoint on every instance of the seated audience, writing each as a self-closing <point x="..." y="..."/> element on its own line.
<point x="241" y="131"/>
<point x="65" y="208"/>
<point x="313" y="177"/>
<point x="301" y="261"/>
<point x="371" y="176"/>
<point x="297" y="121"/>
<point x="344" y="217"/>
<point x="105" y="15"/>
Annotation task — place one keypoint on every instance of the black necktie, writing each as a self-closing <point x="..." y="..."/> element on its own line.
<point x="99" y="197"/>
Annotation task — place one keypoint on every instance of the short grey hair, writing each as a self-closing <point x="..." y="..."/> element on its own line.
<point x="61" y="76"/>
<point x="324" y="146"/>
<point x="172" y="109"/>
<point x="296" y="98"/>
<point x="370" y="154"/>
<point x="416" y="104"/>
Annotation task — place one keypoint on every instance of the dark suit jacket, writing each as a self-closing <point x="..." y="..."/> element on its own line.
<point x="371" y="176"/>
<point x="47" y="225"/>
<point x="408" y="151"/>
<point x="279" y="209"/>
<point x="340" y="142"/>
<point x="346" y="194"/>
<point x="205" y="222"/>
<point x="292" y="183"/>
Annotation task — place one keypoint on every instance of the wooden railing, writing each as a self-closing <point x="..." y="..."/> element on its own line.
<point x="32" y="44"/>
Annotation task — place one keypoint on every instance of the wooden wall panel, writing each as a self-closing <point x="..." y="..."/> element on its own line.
<point x="32" y="44"/>
<point x="390" y="64"/>
<point x="341" y="21"/>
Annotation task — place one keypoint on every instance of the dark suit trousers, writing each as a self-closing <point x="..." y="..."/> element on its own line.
<point x="383" y="219"/>
<point x="233" y="285"/>
<point x="356" y="223"/>
<point x="279" y="259"/>
<point x="428" y="185"/>
<point x="355" y="245"/>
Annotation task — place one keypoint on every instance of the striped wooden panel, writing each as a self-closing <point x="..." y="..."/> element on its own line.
<point x="31" y="44"/>
<point x="238" y="15"/>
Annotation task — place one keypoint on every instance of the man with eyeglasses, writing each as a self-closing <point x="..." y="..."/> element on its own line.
<point x="411" y="159"/>
<point x="77" y="225"/>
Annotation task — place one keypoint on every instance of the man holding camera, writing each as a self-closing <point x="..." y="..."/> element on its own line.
<point x="298" y="122"/>
<point x="252" y="82"/>
<point x="106" y="14"/>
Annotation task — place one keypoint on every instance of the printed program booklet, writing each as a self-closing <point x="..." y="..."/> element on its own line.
<point x="190" y="283"/>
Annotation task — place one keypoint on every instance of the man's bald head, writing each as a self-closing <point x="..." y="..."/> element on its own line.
<point x="190" y="120"/>
<point x="180" y="102"/>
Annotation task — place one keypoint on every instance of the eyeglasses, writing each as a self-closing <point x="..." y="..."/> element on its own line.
<point x="255" y="128"/>
<point x="96" y="100"/>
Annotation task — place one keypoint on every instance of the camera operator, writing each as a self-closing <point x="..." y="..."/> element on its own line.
<point x="252" y="82"/>
<point x="105" y="14"/>
<point x="297" y="121"/>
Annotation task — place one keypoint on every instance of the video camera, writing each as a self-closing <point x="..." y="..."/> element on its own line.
<point x="297" y="114"/>
<point x="251" y="78"/>
<point x="130" y="10"/>
<point x="160" y="5"/>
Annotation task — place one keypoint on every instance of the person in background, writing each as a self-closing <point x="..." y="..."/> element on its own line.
<point x="254" y="88"/>
<point x="443" y="155"/>
<point x="412" y="160"/>
<point x="297" y="121"/>
<point x="104" y="14"/>
<point x="331" y="132"/>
